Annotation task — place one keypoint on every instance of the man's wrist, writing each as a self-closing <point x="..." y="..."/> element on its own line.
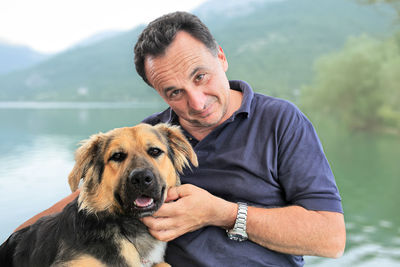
<point x="224" y="214"/>
<point x="231" y="215"/>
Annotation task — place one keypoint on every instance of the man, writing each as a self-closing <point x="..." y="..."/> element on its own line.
<point x="263" y="194"/>
<point x="252" y="148"/>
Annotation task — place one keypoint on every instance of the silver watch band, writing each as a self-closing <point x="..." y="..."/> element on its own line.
<point x="238" y="232"/>
<point x="241" y="218"/>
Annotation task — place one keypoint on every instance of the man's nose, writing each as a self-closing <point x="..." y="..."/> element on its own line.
<point x="196" y="99"/>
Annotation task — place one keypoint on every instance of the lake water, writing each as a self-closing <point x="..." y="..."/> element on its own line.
<point x="38" y="142"/>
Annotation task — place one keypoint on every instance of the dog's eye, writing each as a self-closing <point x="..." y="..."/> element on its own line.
<point x="118" y="156"/>
<point x="154" y="152"/>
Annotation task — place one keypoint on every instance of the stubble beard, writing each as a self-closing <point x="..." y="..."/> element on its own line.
<point x="198" y="123"/>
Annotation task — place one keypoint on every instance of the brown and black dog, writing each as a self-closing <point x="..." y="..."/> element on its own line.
<point x="126" y="173"/>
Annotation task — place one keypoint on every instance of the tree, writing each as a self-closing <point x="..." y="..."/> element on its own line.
<point x="360" y="84"/>
<point x="394" y="3"/>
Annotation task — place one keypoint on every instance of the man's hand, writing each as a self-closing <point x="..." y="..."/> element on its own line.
<point x="187" y="209"/>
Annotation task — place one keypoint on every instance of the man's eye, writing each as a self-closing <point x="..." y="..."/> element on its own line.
<point x="175" y="93"/>
<point x="200" y="77"/>
<point x="154" y="152"/>
<point x="118" y="157"/>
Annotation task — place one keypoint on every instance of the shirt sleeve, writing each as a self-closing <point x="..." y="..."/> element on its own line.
<point x="303" y="170"/>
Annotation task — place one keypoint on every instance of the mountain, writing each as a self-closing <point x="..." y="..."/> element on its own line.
<point x="16" y="57"/>
<point x="95" y="38"/>
<point x="272" y="44"/>
<point x="212" y="10"/>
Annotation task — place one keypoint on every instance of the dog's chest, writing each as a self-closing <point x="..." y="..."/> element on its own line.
<point x="156" y="255"/>
<point x="143" y="253"/>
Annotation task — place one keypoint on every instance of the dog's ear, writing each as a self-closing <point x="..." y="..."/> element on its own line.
<point x="180" y="150"/>
<point x="84" y="159"/>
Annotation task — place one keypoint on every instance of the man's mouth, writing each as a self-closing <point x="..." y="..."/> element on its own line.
<point x="204" y="113"/>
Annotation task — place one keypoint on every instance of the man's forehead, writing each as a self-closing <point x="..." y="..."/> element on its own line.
<point x="165" y="73"/>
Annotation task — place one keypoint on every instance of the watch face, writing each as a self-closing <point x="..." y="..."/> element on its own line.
<point x="237" y="237"/>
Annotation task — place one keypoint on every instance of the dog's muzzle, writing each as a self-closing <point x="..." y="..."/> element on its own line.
<point x="142" y="180"/>
<point x="143" y="192"/>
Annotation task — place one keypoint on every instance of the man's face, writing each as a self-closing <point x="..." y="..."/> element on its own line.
<point x="192" y="81"/>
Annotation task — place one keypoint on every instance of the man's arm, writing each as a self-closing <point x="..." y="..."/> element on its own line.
<point x="295" y="230"/>
<point x="292" y="230"/>
<point x="59" y="206"/>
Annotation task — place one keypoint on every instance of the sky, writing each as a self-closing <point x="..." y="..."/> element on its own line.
<point x="50" y="26"/>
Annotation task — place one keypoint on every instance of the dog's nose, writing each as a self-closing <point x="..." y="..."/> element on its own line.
<point x="142" y="177"/>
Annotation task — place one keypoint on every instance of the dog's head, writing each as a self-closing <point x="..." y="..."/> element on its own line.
<point x="129" y="170"/>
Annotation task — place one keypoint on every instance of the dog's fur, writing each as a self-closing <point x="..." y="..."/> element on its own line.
<point x="126" y="174"/>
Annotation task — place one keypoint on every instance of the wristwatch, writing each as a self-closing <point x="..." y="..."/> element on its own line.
<point x="238" y="232"/>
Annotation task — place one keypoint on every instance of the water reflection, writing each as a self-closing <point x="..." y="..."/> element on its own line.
<point x="367" y="173"/>
<point x="32" y="176"/>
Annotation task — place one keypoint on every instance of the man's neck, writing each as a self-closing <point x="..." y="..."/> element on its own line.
<point x="198" y="132"/>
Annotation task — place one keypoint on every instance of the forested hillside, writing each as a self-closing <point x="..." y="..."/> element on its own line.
<point x="359" y="85"/>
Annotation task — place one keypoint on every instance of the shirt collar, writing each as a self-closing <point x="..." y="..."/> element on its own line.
<point x="173" y="118"/>
<point x="248" y="95"/>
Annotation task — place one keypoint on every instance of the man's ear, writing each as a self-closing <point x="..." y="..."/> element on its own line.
<point x="222" y="59"/>
<point x="84" y="159"/>
<point x="180" y="151"/>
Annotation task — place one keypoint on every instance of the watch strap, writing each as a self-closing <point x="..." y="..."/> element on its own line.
<point x="238" y="232"/>
<point x="241" y="218"/>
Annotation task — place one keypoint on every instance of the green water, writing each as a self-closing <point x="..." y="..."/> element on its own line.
<point x="36" y="155"/>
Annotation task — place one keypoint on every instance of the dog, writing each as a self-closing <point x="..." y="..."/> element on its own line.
<point x="125" y="175"/>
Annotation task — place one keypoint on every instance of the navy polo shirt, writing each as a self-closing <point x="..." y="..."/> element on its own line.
<point x="267" y="155"/>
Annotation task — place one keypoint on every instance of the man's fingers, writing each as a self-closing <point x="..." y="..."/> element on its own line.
<point x="181" y="191"/>
<point x="159" y="223"/>
<point x="162" y="229"/>
<point x="172" y="194"/>
<point x="169" y="209"/>
<point x="164" y="235"/>
<point x="186" y="190"/>
<point x="183" y="214"/>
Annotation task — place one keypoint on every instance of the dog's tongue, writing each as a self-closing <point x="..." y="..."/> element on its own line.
<point x="143" y="201"/>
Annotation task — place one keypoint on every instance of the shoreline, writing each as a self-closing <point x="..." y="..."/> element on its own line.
<point x="75" y="105"/>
